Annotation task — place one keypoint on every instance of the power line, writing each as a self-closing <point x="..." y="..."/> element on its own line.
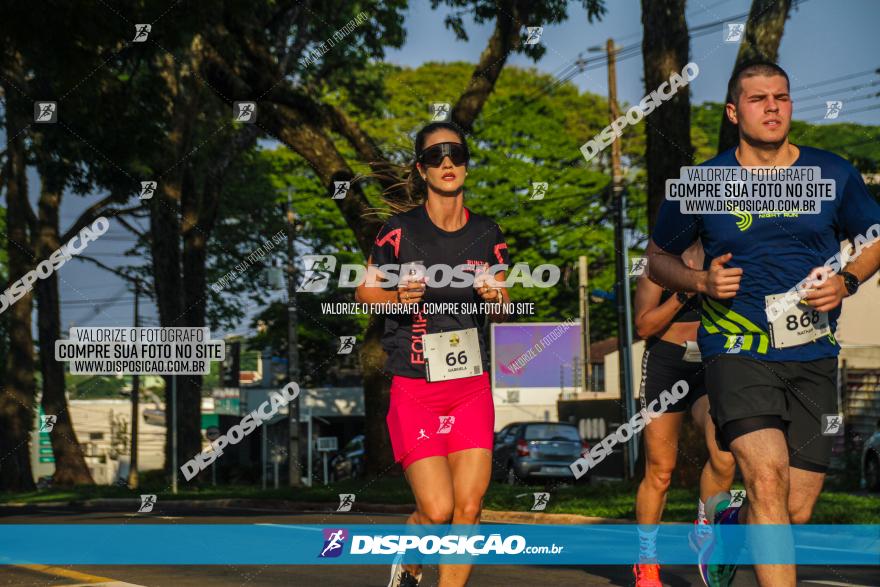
<point x="849" y="89"/>
<point x="848" y="100"/>
<point x="837" y="79"/>
<point x="104" y="301"/>
<point x="865" y="109"/>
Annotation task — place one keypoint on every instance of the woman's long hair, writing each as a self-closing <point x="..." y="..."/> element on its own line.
<point x="413" y="190"/>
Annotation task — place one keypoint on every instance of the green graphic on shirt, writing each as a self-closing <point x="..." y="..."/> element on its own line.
<point x="717" y="319"/>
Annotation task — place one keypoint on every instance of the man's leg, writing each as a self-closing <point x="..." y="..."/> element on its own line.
<point x="805" y="489"/>
<point x="812" y="390"/>
<point x="762" y="456"/>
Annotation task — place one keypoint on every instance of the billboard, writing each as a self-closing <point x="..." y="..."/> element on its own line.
<point x="537" y="356"/>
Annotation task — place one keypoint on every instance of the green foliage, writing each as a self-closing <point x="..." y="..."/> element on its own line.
<point x="857" y="143"/>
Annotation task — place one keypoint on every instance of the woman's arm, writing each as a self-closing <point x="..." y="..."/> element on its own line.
<point x="370" y="291"/>
<point x="494" y="293"/>
<point x="651" y="316"/>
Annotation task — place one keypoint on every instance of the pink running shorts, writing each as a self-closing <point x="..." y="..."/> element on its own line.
<point x="420" y="417"/>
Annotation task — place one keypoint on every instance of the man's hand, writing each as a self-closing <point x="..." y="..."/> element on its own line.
<point x="824" y="293"/>
<point x="722" y="283"/>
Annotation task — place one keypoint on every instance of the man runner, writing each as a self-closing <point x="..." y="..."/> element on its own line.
<point x="770" y="385"/>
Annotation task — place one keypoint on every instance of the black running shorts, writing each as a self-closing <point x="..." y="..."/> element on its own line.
<point x="662" y="365"/>
<point x="746" y="394"/>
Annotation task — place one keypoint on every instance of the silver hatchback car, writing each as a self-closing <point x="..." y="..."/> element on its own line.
<point x="531" y="450"/>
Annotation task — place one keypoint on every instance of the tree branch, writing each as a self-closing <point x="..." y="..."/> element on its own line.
<point x="505" y="38"/>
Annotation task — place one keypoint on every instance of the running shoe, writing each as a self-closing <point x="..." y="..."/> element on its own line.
<point x="400" y="577"/>
<point x="717" y="575"/>
<point x="699" y="535"/>
<point x="647" y="575"/>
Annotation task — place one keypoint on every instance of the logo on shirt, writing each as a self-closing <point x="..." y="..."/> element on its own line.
<point x="392" y="237"/>
<point x="744" y="220"/>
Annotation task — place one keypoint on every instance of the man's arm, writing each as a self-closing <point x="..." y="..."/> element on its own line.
<point x="828" y="295"/>
<point x="671" y="272"/>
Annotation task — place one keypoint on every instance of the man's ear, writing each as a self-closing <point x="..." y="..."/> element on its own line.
<point x="730" y="110"/>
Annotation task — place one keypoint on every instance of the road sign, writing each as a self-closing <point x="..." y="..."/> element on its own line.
<point x="327" y="443"/>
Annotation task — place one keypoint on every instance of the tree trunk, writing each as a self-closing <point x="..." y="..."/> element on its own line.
<point x="165" y="250"/>
<point x="668" y="142"/>
<point x="70" y="465"/>
<point x="763" y="34"/>
<point x="377" y="395"/>
<point x="17" y="399"/>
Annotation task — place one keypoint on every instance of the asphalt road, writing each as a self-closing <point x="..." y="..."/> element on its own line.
<point x="343" y="575"/>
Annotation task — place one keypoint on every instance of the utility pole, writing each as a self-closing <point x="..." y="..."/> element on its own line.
<point x="173" y="432"/>
<point x="292" y="349"/>
<point x="583" y="290"/>
<point x="624" y="327"/>
<point x="135" y="391"/>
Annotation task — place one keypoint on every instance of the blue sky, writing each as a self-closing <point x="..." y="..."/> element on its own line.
<point x="823" y="39"/>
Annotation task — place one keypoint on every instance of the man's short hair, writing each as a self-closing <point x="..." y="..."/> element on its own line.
<point x="751" y="69"/>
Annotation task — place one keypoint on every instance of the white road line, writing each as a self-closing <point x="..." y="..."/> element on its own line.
<point x="834" y="583"/>
<point x="290" y="526"/>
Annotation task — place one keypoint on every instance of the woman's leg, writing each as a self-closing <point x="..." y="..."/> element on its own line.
<point x="471" y="470"/>
<point x="431" y="482"/>
<point x="717" y="475"/>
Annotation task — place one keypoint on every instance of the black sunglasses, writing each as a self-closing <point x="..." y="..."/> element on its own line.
<point x="433" y="156"/>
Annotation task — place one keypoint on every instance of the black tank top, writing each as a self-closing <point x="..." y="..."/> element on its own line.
<point x="689" y="312"/>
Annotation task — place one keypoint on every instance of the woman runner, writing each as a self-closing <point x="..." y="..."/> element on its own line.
<point x="669" y="323"/>
<point x="441" y="416"/>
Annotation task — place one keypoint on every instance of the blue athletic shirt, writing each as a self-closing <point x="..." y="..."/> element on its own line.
<point x="775" y="252"/>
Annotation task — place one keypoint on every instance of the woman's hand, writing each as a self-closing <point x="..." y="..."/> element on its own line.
<point x="490" y="291"/>
<point x="411" y="293"/>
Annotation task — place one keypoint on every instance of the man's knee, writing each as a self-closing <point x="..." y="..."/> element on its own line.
<point x="801" y="513"/>
<point x="767" y="482"/>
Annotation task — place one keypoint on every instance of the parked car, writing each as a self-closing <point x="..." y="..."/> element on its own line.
<point x="526" y="451"/>
<point x="349" y="462"/>
<point x="871" y="461"/>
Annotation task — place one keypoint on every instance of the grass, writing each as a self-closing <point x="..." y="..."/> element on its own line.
<point x="609" y="499"/>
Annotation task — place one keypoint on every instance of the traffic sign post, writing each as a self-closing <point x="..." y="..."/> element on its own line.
<point x="325" y="445"/>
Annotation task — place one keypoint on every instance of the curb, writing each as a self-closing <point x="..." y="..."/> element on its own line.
<point x="287" y="506"/>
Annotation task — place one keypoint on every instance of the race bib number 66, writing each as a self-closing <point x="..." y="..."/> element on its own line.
<point x="452" y="355"/>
